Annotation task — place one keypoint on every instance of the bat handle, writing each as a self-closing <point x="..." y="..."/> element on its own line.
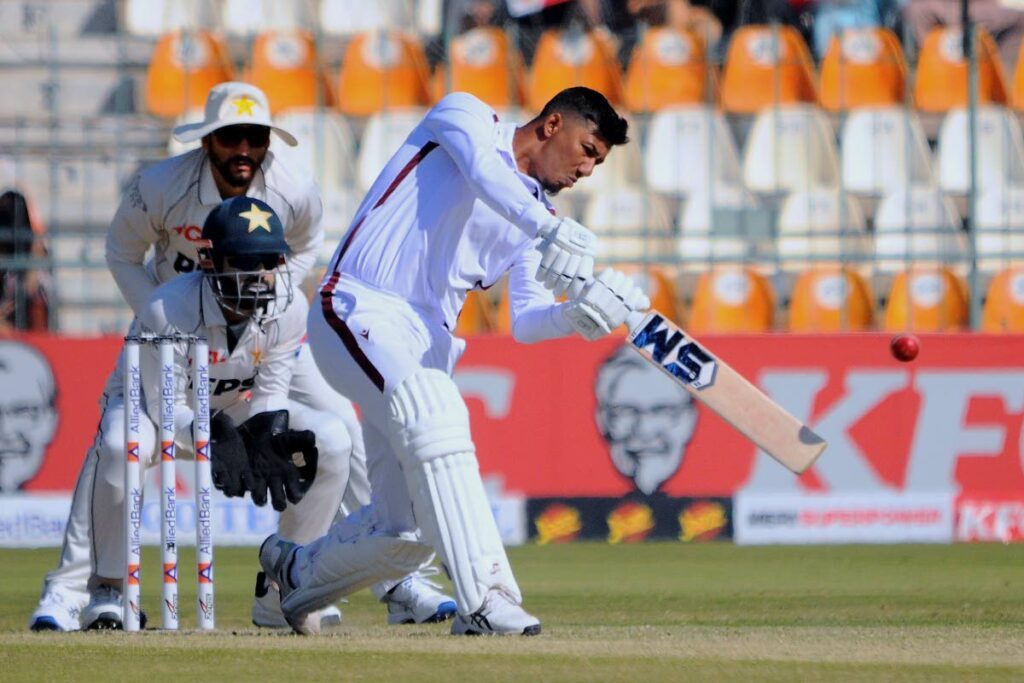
<point x="634" y="319"/>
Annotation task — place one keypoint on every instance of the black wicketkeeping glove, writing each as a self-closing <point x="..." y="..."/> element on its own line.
<point x="229" y="462"/>
<point x="283" y="461"/>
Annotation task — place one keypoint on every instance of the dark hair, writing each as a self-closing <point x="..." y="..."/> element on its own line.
<point x="592" y="106"/>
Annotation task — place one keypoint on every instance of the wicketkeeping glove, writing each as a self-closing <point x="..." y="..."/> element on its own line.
<point x="566" y="256"/>
<point x="283" y="461"/>
<point x="229" y="462"/>
<point x="604" y="304"/>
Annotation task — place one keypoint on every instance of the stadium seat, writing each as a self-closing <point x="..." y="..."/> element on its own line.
<point x="1000" y="150"/>
<point x="477" y="315"/>
<point x="284" y="66"/>
<point x="340" y="206"/>
<point x="917" y="225"/>
<point x="631" y="224"/>
<point x="766" y="65"/>
<point x="250" y="17"/>
<point x="571" y="57"/>
<point x="816" y="227"/>
<point x="688" y="147"/>
<point x="382" y="70"/>
<point x="941" y="79"/>
<point x="660" y="287"/>
<point x="326" y="149"/>
<point x="711" y="225"/>
<point x="483" y="62"/>
<point x="622" y="167"/>
<point x="732" y="299"/>
<point x="926" y="299"/>
<point x="830" y="299"/>
<point x="884" y="150"/>
<point x="999" y="222"/>
<point x="1004" y="304"/>
<point x="154" y="18"/>
<point x="864" y="67"/>
<point x="429" y="17"/>
<point x="349" y="17"/>
<point x="790" y="148"/>
<point x="183" y="68"/>
<point x="668" y="68"/>
<point x="384" y="134"/>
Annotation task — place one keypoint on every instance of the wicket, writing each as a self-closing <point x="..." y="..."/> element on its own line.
<point x="133" y="392"/>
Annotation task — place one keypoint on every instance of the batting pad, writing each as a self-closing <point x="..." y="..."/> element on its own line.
<point x="430" y="432"/>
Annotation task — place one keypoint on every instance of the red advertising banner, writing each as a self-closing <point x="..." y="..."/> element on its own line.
<point x="571" y="419"/>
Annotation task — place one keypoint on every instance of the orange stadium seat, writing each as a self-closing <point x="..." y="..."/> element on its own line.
<point x="183" y="68"/>
<point x="830" y="299"/>
<point x="567" y="58"/>
<point x="766" y="65"/>
<point x="668" y="67"/>
<point x="382" y="70"/>
<point x="1004" y="305"/>
<point x="503" y="316"/>
<point x="284" y="66"/>
<point x="863" y="67"/>
<point x="941" y="82"/>
<point x="484" y="63"/>
<point x="926" y="299"/>
<point x="732" y="299"/>
<point x="660" y="288"/>
<point x="477" y="315"/>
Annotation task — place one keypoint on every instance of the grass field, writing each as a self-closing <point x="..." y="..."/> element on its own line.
<point x="652" y="612"/>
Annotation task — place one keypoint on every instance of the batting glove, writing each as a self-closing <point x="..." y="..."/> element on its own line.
<point x="604" y="304"/>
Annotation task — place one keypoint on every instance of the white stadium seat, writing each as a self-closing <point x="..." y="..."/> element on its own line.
<point x="384" y="134"/>
<point x="698" y="214"/>
<point x="326" y="149"/>
<point x="621" y="168"/>
<point x="1000" y="150"/>
<point x="347" y="17"/>
<point x="632" y="224"/>
<point x="999" y="221"/>
<point x="790" y="147"/>
<point x="688" y="146"/>
<point x="250" y="17"/>
<point x="154" y="18"/>
<point x="915" y="226"/>
<point x="884" y="150"/>
<point x="817" y="227"/>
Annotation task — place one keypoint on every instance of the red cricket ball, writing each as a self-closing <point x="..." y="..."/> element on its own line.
<point x="905" y="347"/>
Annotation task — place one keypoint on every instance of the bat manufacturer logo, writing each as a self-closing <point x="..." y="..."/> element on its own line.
<point x="674" y="352"/>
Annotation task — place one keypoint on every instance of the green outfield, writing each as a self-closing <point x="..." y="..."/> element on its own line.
<point x="652" y="612"/>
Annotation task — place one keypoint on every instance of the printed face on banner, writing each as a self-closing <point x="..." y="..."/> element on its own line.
<point x="28" y="417"/>
<point x="645" y="418"/>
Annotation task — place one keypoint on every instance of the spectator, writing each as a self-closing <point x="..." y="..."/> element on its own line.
<point x="1004" y="19"/>
<point x="23" y="291"/>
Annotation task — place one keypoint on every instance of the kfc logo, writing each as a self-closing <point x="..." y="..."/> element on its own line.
<point x="28" y="413"/>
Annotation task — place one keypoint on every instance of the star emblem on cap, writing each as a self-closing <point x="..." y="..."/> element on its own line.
<point x="244" y="105"/>
<point x="257" y="218"/>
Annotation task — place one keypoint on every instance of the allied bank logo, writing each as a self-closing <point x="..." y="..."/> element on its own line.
<point x="133" y="451"/>
<point x="207" y="607"/>
<point x="203" y="450"/>
<point x="170" y="572"/>
<point x="133" y="575"/>
<point x="167" y="451"/>
<point x="205" y="572"/>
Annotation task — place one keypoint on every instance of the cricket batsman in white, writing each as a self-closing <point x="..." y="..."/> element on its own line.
<point x="152" y="239"/>
<point x="461" y="203"/>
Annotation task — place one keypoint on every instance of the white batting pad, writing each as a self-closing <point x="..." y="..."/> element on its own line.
<point x="429" y="427"/>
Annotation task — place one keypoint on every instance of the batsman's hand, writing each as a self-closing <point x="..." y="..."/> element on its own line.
<point x="604" y="304"/>
<point x="283" y="461"/>
<point x="566" y="256"/>
<point x="229" y="462"/>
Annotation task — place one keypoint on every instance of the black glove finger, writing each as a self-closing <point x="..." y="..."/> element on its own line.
<point x="277" y="494"/>
<point x="295" y="489"/>
<point x="227" y="481"/>
<point x="257" y="487"/>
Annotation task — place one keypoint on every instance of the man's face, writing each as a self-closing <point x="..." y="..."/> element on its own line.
<point x="647" y="420"/>
<point x="236" y="152"/>
<point x="246" y="284"/>
<point x="27" y="417"/>
<point x="571" y="150"/>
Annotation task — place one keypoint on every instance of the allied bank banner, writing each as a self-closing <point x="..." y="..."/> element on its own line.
<point x="567" y="420"/>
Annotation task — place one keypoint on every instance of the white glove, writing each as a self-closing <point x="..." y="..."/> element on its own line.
<point x="604" y="304"/>
<point x="566" y="256"/>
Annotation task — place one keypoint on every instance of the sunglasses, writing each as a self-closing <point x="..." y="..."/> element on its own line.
<point x="251" y="262"/>
<point x="232" y="136"/>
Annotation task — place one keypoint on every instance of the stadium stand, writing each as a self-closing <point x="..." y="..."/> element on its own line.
<point x="1004" y="304"/>
<point x="183" y="68"/>
<point x="284" y="65"/>
<point x="926" y="299"/>
<point x="350" y="17"/>
<point x="382" y="70"/>
<point x="565" y="58"/>
<point x="917" y="225"/>
<point x="247" y="18"/>
<point x="999" y="142"/>
<point x="999" y="222"/>
<point x="941" y="78"/>
<point x="690" y="150"/>
<point x="384" y="133"/>
<point x="732" y="299"/>
<point x="884" y="149"/>
<point x="790" y="148"/>
<point x="668" y="68"/>
<point x="766" y="65"/>
<point x="817" y="227"/>
<point x="864" y="67"/>
<point x="632" y="225"/>
<point x="483" y="62"/>
<point x="831" y="299"/>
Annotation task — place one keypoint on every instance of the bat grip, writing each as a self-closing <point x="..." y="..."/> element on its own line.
<point x="634" y="319"/>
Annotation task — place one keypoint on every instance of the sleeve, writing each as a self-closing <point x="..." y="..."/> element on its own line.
<point x="130" y="235"/>
<point x="535" y="314"/>
<point x="464" y="127"/>
<point x="270" y="392"/>
<point x="305" y="235"/>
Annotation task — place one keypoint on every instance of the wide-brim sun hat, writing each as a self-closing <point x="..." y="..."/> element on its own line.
<point x="232" y="104"/>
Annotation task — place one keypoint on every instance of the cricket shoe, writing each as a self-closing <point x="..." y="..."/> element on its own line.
<point x="417" y="600"/>
<point x="58" y="610"/>
<point x="498" y="616"/>
<point x="266" y="607"/>
<point x="276" y="558"/>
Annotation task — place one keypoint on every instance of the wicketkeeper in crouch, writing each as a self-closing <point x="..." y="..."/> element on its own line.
<point x="461" y="203"/>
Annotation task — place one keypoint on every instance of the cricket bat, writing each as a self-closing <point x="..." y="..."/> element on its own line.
<point x="724" y="390"/>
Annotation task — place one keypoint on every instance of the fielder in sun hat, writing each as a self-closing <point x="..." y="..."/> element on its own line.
<point x="232" y="104"/>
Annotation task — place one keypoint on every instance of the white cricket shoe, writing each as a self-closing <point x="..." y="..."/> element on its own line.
<point x="104" y="609"/>
<point x="276" y="558"/>
<point x="58" y="610"/>
<point x="266" y="607"/>
<point x="499" y="615"/>
<point x="417" y="600"/>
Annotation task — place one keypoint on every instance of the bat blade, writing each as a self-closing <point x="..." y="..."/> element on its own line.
<point x="725" y="391"/>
